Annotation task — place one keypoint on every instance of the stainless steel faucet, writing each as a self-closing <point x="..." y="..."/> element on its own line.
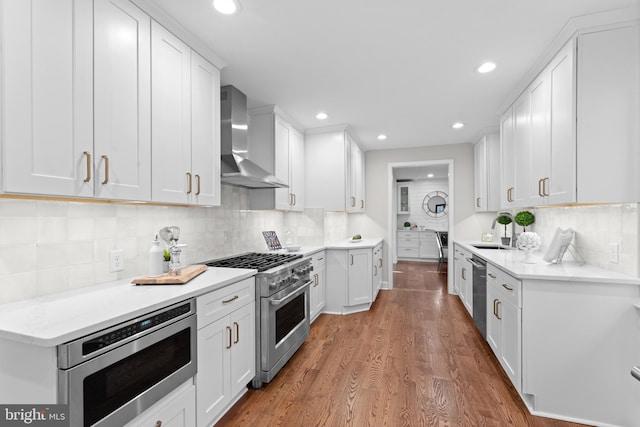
<point x="513" y="226"/>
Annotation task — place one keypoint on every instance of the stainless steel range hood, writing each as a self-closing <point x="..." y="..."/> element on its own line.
<point x="236" y="168"/>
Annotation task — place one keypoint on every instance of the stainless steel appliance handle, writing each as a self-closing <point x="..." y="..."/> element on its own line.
<point x="635" y="372"/>
<point x="476" y="264"/>
<point x="290" y="294"/>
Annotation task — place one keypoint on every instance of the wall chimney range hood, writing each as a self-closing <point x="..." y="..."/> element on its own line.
<point x="236" y="168"/>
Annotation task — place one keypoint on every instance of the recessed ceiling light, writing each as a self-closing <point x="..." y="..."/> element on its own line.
<point x="429" y="175"/>
<point x="457" y="125"/>
<point x="227" y="7"/>
<point x="382" y="137"/>
<point x="487" y="67"/>
<point x="321" y="116"/>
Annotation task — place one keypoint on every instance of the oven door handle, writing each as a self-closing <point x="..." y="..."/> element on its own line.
<point x="291" y="294"/>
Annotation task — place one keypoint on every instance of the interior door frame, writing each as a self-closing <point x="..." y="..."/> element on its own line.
<point x="392" y="218"/>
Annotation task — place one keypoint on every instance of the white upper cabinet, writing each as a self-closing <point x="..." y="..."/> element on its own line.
<point x="335" y="171"/>
<point x="608" y="98"/>
<point x="122" y="101"/>
<point x="573" y="133"/>
<point x="185" y="123"/>
<point x="487" y="173"/>
<point x="278" y="147"/>
<point x="47" y="114"/>
<point x="507" y="157"/>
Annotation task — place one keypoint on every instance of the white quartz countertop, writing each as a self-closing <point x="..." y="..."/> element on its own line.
<point x="58" y="318"/>
<point x="357" y="244"/>
<point x="511" y="262"/>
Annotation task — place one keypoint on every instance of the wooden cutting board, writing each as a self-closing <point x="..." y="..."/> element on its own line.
<point x="186" y="274"/>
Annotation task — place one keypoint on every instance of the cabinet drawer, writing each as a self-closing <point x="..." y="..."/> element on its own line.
<point x="509" y="287"/>
<point x="408" y="235"/>
<point x="219" y="303"/>
<point x="319" y="258"/>
<point x="408" y="243"/>
<point x="408" y="252"/>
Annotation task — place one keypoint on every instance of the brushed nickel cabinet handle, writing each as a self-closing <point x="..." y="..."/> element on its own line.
<point x="544" y="186"/>
<point x="361" y="204"/>
<point x="353" y="202"/>
<point x="495" y="313"/>
<point x="380" y="260"/>
<point x="462" y="274"/>
<point x="294" y="199"/>
<point x="351" y="259"/>
<point x="376" y="270"/>
<point x="540" y="188"/>
<point x="491" y="275"/>
<point x="106" y="169"/>
<point x="237" y="328"/>
<point x="198" y="185"/>
<point x="227" y="301"/>
<point x="230" y="338"/>
<point x="497" y="310"/>
<point x="189" y="186"/>
<point x="88" y="157"/>
<point x="504" y="285"/>
<point x="477" y="202"/>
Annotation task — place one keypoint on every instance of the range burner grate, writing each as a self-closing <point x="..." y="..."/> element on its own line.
<point x="254" y="260"/>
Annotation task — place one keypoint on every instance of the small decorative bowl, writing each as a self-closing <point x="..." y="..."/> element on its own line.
<point x="293" y="248"/>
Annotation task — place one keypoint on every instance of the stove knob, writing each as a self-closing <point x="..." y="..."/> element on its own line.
<point x="273" y="285"/>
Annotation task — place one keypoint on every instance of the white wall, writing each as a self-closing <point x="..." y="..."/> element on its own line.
<point x="53" y="246"/>
<point x="418" y="189"/>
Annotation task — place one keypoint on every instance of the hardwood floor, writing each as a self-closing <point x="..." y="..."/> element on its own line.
<point x="414" y="359"/>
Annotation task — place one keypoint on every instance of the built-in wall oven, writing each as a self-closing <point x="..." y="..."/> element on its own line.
<point x="111" y="376"/>
<point x="282" y="307"/>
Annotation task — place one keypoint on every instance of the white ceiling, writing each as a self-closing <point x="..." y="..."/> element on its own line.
<point x="403" y="68"/>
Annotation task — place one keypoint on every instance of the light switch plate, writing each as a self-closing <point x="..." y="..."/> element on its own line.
<point x="614" y="253"/>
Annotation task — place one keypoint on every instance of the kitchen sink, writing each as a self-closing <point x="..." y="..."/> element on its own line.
<point x="497" y="247"/>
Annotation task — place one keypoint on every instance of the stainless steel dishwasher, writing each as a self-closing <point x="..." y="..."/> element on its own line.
<point x="479" y="293"/>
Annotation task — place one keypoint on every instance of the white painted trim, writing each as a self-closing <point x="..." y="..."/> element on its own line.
<point x="392" y="218"/>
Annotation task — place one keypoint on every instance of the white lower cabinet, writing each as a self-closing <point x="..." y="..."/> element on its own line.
<point x="177" y="409"/>
<point x="318" y="287"/>
<point x="417" y="244"/>
<point x="351" y="279"/>
<point x="504" y="321"/>
<point x="226" y="348"/>
<point x="463" y="279"/>
<point x="377" y="271"/>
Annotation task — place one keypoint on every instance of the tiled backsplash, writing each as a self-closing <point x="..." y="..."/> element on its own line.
<point x="596" y="227"/>
<point x="49" y="246"/>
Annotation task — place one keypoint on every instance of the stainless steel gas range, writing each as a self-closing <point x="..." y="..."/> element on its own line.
<point x="282" y="307"/>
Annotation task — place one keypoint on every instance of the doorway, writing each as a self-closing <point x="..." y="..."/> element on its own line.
<point x="440" y="169"/>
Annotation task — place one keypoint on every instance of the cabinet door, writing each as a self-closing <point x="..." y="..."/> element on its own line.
<point x="507" y="159"/>
<point x="358" y="176"/>
<point x="122" y="101"/>
<point x="403" y="199"/>
<point x="214" y="376"/>
<point x="521" y="132"/>
<point x="296" y="170"/>
<point x="540" y="152"/>
<point x="428" y="245"/>
<point x="561" y="187"/>
<point x="284" y="196"/>
<point x="510" y="354"/>
<point x="352" y="200"/>
<point x="377" y="271"/>
<point x="171" y="116"/>
<point x="205" y="131"/>
<point x="480" y="174"/>
<point x="360" y="276"/>
<point x="243" y="354"/>
<point x="47" y="91"/>
<point x="494" y="322"/>
<point x="318" y="290"/>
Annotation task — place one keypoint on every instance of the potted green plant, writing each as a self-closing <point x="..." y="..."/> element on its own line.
<point x="166" y="257"/>
<point x="505" y="220"/>
<point x="407" y="225"/>
<point x="524" y="219"/>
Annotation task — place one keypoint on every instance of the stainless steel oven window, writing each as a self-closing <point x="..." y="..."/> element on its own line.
<point x="289" y="316"/>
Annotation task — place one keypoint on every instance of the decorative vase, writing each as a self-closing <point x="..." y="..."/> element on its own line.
<point x="528" y="242"/>
<point x="506" y="241"/>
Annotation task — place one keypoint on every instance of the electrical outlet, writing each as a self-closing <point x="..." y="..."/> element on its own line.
<point x="116" y="260"/>
<point x="614" y="253"/>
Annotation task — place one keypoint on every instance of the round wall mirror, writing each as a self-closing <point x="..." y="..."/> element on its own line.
<point x="436" y="204"/>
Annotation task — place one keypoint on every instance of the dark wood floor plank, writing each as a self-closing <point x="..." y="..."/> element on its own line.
<point x="414" y="359"/>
